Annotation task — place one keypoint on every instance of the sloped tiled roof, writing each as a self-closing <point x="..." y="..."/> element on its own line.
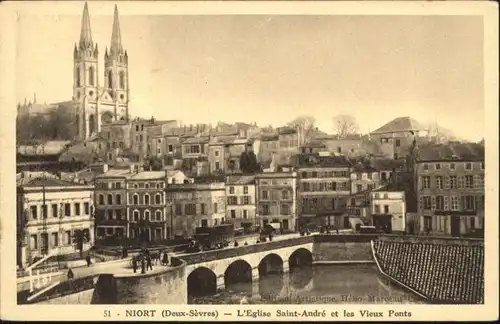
<point x="451" y="152"/>
<point x="48" y="182"/>
<point x="387" y="164"/>
<point x="399" y="125"/>
<point x="240" y="179"/>
<point x="196" y="140"/>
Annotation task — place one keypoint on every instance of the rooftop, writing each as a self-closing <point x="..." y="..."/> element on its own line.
<point x="47" y="182"/>
<point x="315" y="160"/>
<point x="111" y="173"/>
<point x="387" y="164"/>
<point x="196" y="140"/>
<point x="148" y="175"/>
<point x="453" y="151"/>
<point x="400" y="125"/>
<point x="240" y="179"/>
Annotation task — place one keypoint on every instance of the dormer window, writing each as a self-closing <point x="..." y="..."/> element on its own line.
<point x="426" y="166"/>
<point x="438" y="166"/>
<point x="452" y="166"/>
<point x="468" y="166"/>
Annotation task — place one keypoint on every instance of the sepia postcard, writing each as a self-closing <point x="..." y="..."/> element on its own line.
<point x="249" y="161"/>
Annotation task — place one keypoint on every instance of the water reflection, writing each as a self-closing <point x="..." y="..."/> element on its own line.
<point x="351" y="284"/>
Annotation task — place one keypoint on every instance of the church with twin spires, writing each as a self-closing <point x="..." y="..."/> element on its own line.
<point x="97" y="104"/>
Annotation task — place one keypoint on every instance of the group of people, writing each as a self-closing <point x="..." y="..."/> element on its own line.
<point x="146" y="260"/>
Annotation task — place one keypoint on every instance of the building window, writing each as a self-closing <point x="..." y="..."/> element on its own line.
<point x="158" y="199"/>
<point x="469" y="181"/>
<point x="233" y="213"/>
<point x="202" y="209"/>
<point x="170" y="148"/>
<point x="158" y="215"/>
<point x="482" y="165"/>
<point x="118" y="214"/>
<point x="469" y="203"/>
<point x="452" y="166"/>
<point x="386" y="209"/>
<point x="453" y="182"/>
<point x="178" y="209"/>
<point x="136" y="199"/>
<point x="34" y="212"/>
<point x="438" y="166"/>
<point x="439" y="203"/>
<point x="265" y="210"/>
<point x="284" y="194"/>
<point x="246" y="200"/>
<point x="190" y="209"/>
<point x="398" y="143"/>
<point x="54" y="210"/>
<point x="147" y="215"/>
<point x="78" y="83"/>
<point x="77" y="209"/>
<point x="110" y="199"/>
<point x="339" y="149"/>
<point x="86" y="208"/>
<point x="454" y="203"/>
<point x="439" y="182"/>
<point x="377" y="209"/>
<point x="204" y="223"/>
<point x="67" y="209"/>
<point x="231" y="190"/>
<point x="68" y="237"/>
<point x="216" y="153"/>
<point x="136" y="215"/>
<point x="468" y="166"/>
<point x="472" y="223"/>
<point x="427" y="202"/>
<point x="215" y="208"/>
<point x="118" y="199"/>
<point x="159" y="185"/>
<point x="426" y="166"/>
<point x="217" y="165"/>
<point x="359" y="188"/>
<point x="245" y="190"/>
<point x="426" y="182"/>
<point x="245" y="214"/>
<point x="265" y="194"/>
<point x="353" y="201"/>
<point x="232" y="200"/>
<point x="284" y="209"/>
<point x="146" y="186"/>
<point x="122" y="80"/>
<point x="136" y="186"/>
<point x="142" y="127"/>
<point x="55" y="239"/>
<point x="101" y="199"/>
<point x="146" y="199"/>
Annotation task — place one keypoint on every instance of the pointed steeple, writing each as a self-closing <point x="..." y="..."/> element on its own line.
<point x="116" y="38"/>
<point x="86" y="33"/>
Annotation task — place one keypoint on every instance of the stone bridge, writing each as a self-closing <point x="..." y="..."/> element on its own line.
<point x="209" y="271"/>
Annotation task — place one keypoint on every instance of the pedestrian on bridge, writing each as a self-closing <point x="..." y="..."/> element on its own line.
<point x="143" y="264"/>
<point x="70" y="274"/>
<point x="87" y="258"/>
<point x="134" y="265"/>
<point x="150" y="264"/>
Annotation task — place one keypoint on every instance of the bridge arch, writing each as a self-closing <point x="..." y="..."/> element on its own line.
<point x="300" y="258"/>
<point x="201" y="282"/>
<point x="270" y="264"/>
<point x="239" y="271"/>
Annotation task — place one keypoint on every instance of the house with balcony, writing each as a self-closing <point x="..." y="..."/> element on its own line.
<point x="50" y="212"/>
<point x="240" y="200"/>
<point x="324" y="189"/>
<point x="110" y="192"/>
<point x="276" y="199"/>
<point x="364" y="179"/>
<point x="450" y="187"/>
<point x="146" y="206"/>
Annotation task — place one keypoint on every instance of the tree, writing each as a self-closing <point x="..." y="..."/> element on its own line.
<point x="248" y="162"/>
<point x="305" y="127"/>
<point x="345" y="125"/>
<point x="80" y="237"/>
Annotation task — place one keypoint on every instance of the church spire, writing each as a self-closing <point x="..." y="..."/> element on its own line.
<point x="116" y="38"/>
<point x="85" y="34"/>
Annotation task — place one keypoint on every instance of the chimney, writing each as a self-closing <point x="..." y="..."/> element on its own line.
<point x="104" y="168"/>
<point x="132" y="168"/>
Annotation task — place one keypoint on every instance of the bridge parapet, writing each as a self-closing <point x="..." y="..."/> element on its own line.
<point x="239" y="251"/>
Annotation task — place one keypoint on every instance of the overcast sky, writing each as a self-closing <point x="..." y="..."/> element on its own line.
<point x="269" y="69"/>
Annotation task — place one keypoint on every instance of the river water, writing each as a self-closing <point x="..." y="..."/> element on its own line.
<point x="326" y="284"/>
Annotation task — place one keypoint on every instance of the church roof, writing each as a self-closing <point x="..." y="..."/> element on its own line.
<point x="116" y="38"/>
<point x="399" y="125"/>
<point x="85" y="33"/>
